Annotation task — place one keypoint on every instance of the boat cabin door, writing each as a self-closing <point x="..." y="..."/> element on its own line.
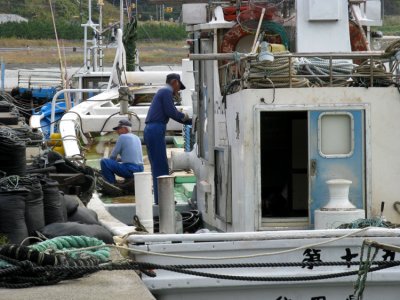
<point x="336" y="151"/>
<point x="302" y="149"/>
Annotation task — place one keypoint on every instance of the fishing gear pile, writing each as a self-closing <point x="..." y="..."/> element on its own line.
<point x="83" y="186"/>
<point x="12" y="153"/>
<point x="33" y="205"/>
<point x="49" y="262"/>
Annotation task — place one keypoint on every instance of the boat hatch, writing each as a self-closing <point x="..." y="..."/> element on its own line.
<point x="299" y="151"/>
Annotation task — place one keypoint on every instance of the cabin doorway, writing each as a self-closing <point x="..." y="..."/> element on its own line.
<point x="284" y="165"/>
<point x="299" y="152"/>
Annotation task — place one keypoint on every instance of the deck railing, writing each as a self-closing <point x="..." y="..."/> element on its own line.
<point x="367" y="69"/>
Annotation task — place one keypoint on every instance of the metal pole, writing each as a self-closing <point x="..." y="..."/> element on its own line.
<point x="100" y="35"/>
<point x="3" y="74"/>
<point x="121" y="14"/>
<point x="166" y="204"/>
<point x="94" y="51"/>
<point x="90" y="11"/>
<point x="217" y="56"/>
<point x="89" y="58"/>
<point x="144" y="199"/>
<point x="85" y="48"/>
<point x="136" y="9"/>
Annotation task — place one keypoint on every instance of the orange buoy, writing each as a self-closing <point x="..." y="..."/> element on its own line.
<point x="356" y="38"/>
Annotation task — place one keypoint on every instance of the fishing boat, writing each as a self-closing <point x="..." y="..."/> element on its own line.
<point x="295" y="123"/>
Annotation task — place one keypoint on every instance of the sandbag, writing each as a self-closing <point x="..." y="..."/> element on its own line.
<point x="12" y="216"/>
<point x="12" y="153"/>
<point x="85" y="216"/>
<point x="71" y="204"/>
<point x="73" y="228"/>
<point x="34" y="212"/>
<point x="54" y="209"/>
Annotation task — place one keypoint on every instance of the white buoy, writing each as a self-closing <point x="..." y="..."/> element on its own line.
<point x="144" y="199"/>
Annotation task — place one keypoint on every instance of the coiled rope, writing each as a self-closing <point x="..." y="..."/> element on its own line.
<point x="22" y="267"/>
<point x="274" y="74"/>
<point x="75" y="243"/>
<point x="363" y="223"/>
<point x="393" y="48"/>
<point x="28" y="267"/>
<point x="321" y="70"/>
<point x="372" y="73"/>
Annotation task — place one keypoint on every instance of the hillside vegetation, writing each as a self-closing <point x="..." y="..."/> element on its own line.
<point x="64" y="10"/>
<point x="69" y="16"/>
<point x="71" y="13"/>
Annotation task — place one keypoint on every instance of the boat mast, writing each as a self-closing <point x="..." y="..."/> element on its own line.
<point x="100" y="4"/>
<point x="121" y="14"/>
<point x="88" y="52"/>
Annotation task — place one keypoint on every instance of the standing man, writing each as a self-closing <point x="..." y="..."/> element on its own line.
<point x="129" y="148"/>
<point x="161" y="110"/>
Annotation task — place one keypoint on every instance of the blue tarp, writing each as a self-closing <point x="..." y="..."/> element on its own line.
<point x="46" y="120"/>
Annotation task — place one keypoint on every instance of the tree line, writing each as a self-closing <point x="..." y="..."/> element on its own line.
<point x="36" y="29"/>
<point x="392" y="7"/>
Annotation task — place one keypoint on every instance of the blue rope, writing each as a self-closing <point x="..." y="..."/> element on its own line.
<point x="64" y="243"/>
<point x="187" y="137"/>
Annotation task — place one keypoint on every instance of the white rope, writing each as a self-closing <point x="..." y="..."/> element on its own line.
<point x="224" y="257"/>
<point x="318" y="66"/>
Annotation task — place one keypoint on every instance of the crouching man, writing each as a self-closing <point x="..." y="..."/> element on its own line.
<point x="129" y="148"/>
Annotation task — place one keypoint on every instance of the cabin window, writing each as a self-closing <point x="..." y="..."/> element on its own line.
<point x="336" y="135"/>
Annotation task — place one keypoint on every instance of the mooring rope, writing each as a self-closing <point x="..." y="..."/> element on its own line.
<point x="63" y="258"/>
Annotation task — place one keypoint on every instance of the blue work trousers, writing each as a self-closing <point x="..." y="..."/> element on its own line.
<point x="110" y="168"/>
<point x="154" y="138"/>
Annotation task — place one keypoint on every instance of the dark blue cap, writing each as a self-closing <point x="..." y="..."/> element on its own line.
<point x="123" y="123"/>
<point x="173" y="76"/>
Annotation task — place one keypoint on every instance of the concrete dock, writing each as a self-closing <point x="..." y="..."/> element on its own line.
<point x="119" y="285"/>
<point x="102" y="285"/>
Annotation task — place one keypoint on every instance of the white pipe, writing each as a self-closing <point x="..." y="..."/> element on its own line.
<point x="113" y="72"/>
<point x="122" y="57"/>
<point x="69" y="91"/>
<point x="189" y="160"/>
<point x="144" y="199"/>
<point x="166" y="204"/>
<point x="263" y="235"/>
<point x="148" y="77"/>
